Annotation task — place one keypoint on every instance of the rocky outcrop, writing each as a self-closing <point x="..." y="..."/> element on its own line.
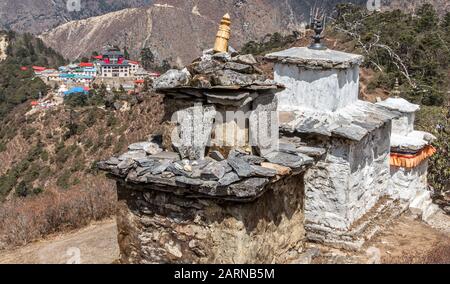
<point x="4" y="43"/>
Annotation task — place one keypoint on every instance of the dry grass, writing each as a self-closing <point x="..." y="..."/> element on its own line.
<point x="26" y="220"/>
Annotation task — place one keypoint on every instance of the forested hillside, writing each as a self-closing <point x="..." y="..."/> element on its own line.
<point x="18" y="85"/>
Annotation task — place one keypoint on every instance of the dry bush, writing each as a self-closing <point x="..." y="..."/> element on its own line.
<point x="29" y="219"/>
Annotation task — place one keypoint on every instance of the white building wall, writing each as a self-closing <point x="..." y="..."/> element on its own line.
<point x="325" y="90"/>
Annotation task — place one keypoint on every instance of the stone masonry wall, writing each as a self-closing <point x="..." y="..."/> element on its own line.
<point x="348" y="182"/>
<point x="158" y="227"/>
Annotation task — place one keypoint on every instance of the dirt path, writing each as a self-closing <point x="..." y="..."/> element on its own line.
<point x="407" y="240"/>
<point x="96" y="244"/>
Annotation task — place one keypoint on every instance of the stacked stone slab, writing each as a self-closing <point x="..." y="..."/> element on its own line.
<point x="199" y="203"/>
<point x="410" y="152"/>
<point x="344" y="190"/>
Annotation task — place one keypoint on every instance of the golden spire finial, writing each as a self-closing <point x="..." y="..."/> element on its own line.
<point x="223" y="36"/>
<point x="396" y="92"/>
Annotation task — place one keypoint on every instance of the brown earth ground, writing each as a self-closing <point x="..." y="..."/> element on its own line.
<point x="95" y="244"/>
<point x="407" y="240"/>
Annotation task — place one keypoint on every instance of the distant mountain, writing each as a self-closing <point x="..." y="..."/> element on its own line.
<point x="36" y="16"/>
<point x="180" y="29"/>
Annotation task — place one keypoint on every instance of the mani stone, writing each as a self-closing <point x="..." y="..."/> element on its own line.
<point x="288" y="160"/>
<point x="252" y="159"/>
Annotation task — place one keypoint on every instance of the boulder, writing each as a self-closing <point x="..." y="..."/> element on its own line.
<point x="172" y="79"/>
<point x="245" y="59"/>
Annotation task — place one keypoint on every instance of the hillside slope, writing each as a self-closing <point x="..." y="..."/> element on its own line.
<point x="36" y="16"/>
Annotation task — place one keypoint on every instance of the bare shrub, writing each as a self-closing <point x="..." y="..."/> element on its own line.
<point x="25" y="220"/>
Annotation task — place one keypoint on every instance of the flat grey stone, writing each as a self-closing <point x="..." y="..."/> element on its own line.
<point x="146" y="162"/>
<point x="214" y="171"/>
<point x="241" y="167"/>
<point x="239" y="67"/>
<point x="351" y="131"/>
<point x="140" y="171"/>
<point x="171" y="156"/>
<point x="316" y="59"/>
<point x="139" y="146"/>
<point x="112" y="161"/>
<point x="249" y="188"/>
<point x="263" y="172"/>
<point x="311" y="151"/>
<point x="287" y="148"/>
<point x="399" y="104"/>
<point x="178" y="170"/>
<point x="188" y="181"/>
<point x="245" y="59"/>
<point x="254" y="160"/>
<point x="216" y="155"/>
<point x="206" y="66"/>
<point x="228" y="179"/>
<point x="126" y="164"/>
<point x="156" y="179"/>
<point x="289" y="160"/>
<point x="160" y="167"/>
<point x="133" y="155"/>
<point x="233" y="78"/>
<point x="223" y="57"/>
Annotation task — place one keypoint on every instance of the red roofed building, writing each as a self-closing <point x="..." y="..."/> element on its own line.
<point x="86" y="64"/>
<point x="39" y="68"/>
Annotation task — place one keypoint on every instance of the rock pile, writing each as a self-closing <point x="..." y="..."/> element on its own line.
<point x="217" y="71"/>
<point x="240" y="177"/>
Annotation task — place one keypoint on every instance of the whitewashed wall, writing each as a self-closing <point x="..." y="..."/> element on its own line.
<point x="348" y="182"/>
<point x="323" y="90"/>
<point x="405" y="184"/>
